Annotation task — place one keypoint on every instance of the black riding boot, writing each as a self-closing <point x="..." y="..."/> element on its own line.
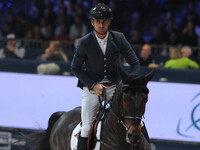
<point x="82" y="143"/>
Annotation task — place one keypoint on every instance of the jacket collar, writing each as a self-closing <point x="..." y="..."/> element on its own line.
<point x="109" y="42"/>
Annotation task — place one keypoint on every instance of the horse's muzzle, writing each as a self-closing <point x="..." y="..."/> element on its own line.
<point x="133" y="134"/>
<point x="134" y="138"/>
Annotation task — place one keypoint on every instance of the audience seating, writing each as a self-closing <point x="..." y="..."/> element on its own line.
<point x="162" y="74"/>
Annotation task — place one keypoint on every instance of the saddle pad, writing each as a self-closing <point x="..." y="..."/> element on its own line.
<point x="74" y="137"/>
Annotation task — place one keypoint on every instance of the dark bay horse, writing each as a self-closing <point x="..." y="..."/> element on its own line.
<point x="121" y="130"/>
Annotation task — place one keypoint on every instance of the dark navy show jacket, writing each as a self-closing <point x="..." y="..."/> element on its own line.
<point x="98" y="66"/>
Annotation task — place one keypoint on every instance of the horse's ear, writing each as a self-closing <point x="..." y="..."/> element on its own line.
<point x="122" y="73"/>
<point x="150" y="75"/>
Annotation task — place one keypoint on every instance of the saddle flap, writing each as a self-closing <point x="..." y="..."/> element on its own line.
<point x="92" y="138"/>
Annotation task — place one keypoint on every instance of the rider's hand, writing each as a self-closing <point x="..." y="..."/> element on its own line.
<point x="98" y="88"/>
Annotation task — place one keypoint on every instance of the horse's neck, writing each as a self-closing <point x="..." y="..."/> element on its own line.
<point x="116" y="102"/>
<point x="113" y="131"/>
<point x="113" y="118"/>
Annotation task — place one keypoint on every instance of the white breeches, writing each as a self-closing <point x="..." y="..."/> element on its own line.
<point x="90" y="106"/>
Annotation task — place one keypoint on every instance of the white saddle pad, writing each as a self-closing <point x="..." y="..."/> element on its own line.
<point x="74" y="137"/>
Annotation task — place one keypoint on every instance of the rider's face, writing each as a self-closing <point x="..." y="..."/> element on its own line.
<point x="101" y="25"/>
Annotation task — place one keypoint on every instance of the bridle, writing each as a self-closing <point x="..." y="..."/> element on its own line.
<point x="136" y="120"/>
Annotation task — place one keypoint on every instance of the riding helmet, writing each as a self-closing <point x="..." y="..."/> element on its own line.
<point x="101" y="11"/>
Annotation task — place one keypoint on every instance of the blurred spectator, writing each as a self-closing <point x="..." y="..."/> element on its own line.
<point x="7" y="28"/>
<point x="58" y="6"/>
<point x="145" y="56"/>
<point x="12" y="50"/>
<point x="46" y="29"/>
<point x="48" y="68"/>
<point x="178" y="62"/>
<point x="157" y="36"/>
<point x="186" y="51"/>
<point x="69" y="51"/>
<point x="134" y="19"/>
<point x="197" y="30"/>
<point x="49" y="33"/>
<point x="75" y="44"/>
<point x="77" y="29"/>
<point x="22" y="24"/>
<point x="173" y="39"/>
<point x="11" y="19"/>
<point x="37" y="33"/>
<point x="28" y="37"/>
<point x="189" y="36"/>
<point x="136" y="38"/>
<point x="60" y="20"/>
<point x="50" y="14"/>
<point x="53" y="53"/>
<point x="33" y="13"/>
<point x="62" y="34"/>
<point x="190" y="14"/>
<point x="28" y="34"/>
<point x="169" y="28"/>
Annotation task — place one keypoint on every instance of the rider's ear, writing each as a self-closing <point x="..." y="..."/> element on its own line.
<point x="92" y="22"/>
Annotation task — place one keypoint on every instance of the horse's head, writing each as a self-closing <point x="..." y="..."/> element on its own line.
<point x="132" y="102"/>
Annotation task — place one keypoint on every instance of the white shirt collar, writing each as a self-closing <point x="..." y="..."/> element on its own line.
<point x="102" y="40"/>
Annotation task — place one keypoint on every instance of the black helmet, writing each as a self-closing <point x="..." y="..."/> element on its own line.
<point x="101" y="11"/>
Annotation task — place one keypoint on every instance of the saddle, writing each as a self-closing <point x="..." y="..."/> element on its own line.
<point x="92" y="139"/>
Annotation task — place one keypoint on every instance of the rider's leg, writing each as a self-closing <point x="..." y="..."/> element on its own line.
<point x="90" y="106"/>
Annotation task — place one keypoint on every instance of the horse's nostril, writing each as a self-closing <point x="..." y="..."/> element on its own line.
<point x="134" y="138"/>
<point x="131" y="137"/>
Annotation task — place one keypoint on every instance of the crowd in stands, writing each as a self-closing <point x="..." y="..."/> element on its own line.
<point x="156" y="22"/>
<point x="145" y="23"/>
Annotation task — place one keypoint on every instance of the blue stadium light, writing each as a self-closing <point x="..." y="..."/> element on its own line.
<point x="9" y="4"/>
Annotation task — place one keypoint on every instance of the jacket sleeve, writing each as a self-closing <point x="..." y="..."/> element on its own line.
<point x="77" y="64"/>
<point x="130" y="56"/>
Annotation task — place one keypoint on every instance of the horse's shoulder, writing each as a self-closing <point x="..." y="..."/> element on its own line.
<point x="64" y="126"/>
<point x="69" y="117"/>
